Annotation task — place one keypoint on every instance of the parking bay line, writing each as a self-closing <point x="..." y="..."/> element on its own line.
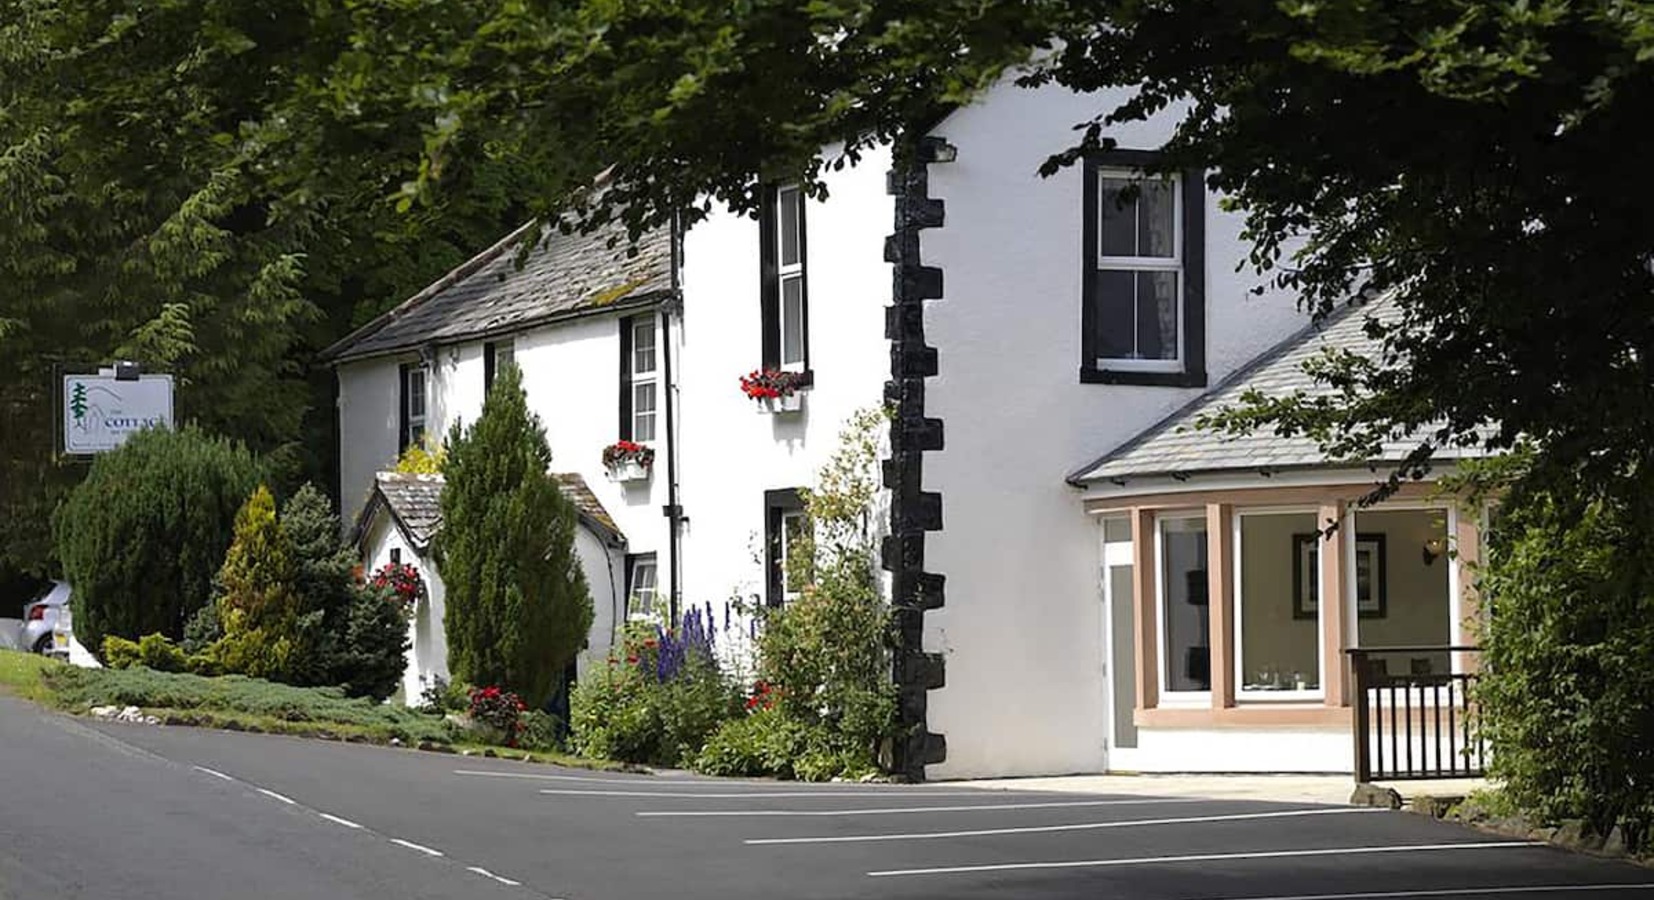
<point x="897" y="810"/>
<point x="757" y="795"/>
<point x="1459" y="892"/>
<point x="1207" y="857"/>
<point x="1083" y="826"/>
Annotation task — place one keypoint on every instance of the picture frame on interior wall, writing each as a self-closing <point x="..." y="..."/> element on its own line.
<point x="1371" y="576"/>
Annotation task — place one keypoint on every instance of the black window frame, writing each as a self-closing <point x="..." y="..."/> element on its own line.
<point x="404" y="417"/>
<point x="1193" y="278"/>
<point x="769" y="272"/>
<point x="777" y="505"/>
<point x="490" y="361"/>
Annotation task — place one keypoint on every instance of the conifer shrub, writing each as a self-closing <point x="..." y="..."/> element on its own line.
<point x="518" y="608"/>
<point x="143" y="535"/>
<point x="260" y="607"/>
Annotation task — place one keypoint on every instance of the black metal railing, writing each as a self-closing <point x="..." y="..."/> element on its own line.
<point x="1419" y="724"/>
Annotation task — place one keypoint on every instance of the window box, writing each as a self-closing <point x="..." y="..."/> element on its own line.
<point x="627" y="461"/>
<point x="777" y="391"/>
<point x="781" y="406"/>
<point x="629" y="472"/>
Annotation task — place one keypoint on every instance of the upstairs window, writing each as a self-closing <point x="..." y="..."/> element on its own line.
<point x="411" y="403"/>
<point x="639" y="379"/>
<point x="496" y="355"/>
<point x="785" y="291"/>
<point x="1143" y="318"/>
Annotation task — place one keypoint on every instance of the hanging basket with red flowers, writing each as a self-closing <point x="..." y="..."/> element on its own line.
<point x="401" y="582"/>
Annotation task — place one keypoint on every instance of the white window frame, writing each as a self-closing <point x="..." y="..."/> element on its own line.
<point x="786" y="273"/>
<point x="416" y="422"/>
<point x="639" y="563"/>
<point x="644" y="377"/>
<point x="1173" y="264"/>
<point x="1239" y="551"/>
<point x="1168" y="697"/>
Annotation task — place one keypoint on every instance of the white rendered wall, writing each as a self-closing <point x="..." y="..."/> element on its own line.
<point x="605" y="572"/>
<point x="427" y="642"/>
<point x="1238" y="750"/>
<point x="731" y="453"/>
<point x="1022" y="628"/>
<point x="369" y="427"/>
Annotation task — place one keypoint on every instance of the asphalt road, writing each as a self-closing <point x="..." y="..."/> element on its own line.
<point x="103" y="810"/>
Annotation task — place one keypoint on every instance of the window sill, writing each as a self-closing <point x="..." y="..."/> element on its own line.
<point x="1094" y="375"/>
<point x="1284" y="715"/>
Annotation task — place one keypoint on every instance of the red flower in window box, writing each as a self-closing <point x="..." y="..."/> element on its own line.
<point x="770" y="384"/>
<point x="621" y="452"/>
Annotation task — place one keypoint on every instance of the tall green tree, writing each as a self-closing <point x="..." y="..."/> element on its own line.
<point x="142" y="537"/>
<point x="518" y="608"/>
<point x="194" y="186"/>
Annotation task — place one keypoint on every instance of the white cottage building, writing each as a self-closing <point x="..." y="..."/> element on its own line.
<point x="1055" y="616"/>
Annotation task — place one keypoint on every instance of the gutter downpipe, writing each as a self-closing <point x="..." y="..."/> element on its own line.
<point x="673" y="510"/>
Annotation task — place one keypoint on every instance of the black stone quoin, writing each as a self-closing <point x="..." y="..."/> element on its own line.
<point x="913" y="511"/>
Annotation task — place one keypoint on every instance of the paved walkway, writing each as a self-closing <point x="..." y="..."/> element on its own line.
<point x="1330" y="789"/>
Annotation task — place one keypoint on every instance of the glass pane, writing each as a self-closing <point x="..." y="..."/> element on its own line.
<point x="1117" y="530"/>
<point x="1184" y="607"/>
<point x="643" y="348"/>
<point x="1117" y="224"/>
<point x="416" y="394"/>
<point x="643" y="427"/>
<point x="416" y="434"/>
<point x="1156" y="219"/>
<point x="1401" y="586"/>
<point x="1157" y="307"/>
<point x="792" y="320"/>
<point x="1116" y="319"/>
<point x="643" y="397"/>
<point x="642" y="600"/>
<point x="1280" y="635"/>
<point x="792" y="529"/>
<point x="787" y="212"/>
<point x="504" y="356"/>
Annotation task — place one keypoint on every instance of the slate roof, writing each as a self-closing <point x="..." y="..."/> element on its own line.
<point x="411" y="500"/>
<point x="1175" y="446"/>
<point x="413" y="504"/>
<point x="562" y="277"/>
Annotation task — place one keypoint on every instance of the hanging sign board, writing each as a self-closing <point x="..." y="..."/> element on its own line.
<point x="101" y="411"/>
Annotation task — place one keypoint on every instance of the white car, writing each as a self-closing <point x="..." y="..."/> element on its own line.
<point x="43" y="618"/>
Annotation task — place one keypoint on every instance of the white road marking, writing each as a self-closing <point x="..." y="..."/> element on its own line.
<point x="275" y="796"/>
<point x="748" y="794"/>
<point x="896" y="810"/>
<point x="487" y="874"/>
<point x="213" y="772"/>
<point x="636" y="779"/>
<point x="338" y="821"/>
<point x="657" y="782"/>
<point x="1459" y="892"/>
<point x="413" y="846"/>
<point x="1208" y="857"/>
<point x="1084" y="826"/>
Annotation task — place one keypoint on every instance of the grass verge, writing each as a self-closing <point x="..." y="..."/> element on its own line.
<point x="238" y="703"/>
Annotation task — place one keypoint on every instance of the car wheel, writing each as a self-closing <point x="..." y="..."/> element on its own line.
<point x="43" y="645"/>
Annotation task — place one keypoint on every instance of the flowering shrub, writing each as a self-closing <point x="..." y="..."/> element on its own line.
<point x="401" y="582"/>
<point x="658" y="698"/>
<point x="498" y="710"/>
<point x="763" y="696"/>
<point x="622" y="452"/>
<point x="770" y="384"/>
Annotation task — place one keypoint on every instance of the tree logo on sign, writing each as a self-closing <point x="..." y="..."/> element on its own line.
<point x="77" y="404"/>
